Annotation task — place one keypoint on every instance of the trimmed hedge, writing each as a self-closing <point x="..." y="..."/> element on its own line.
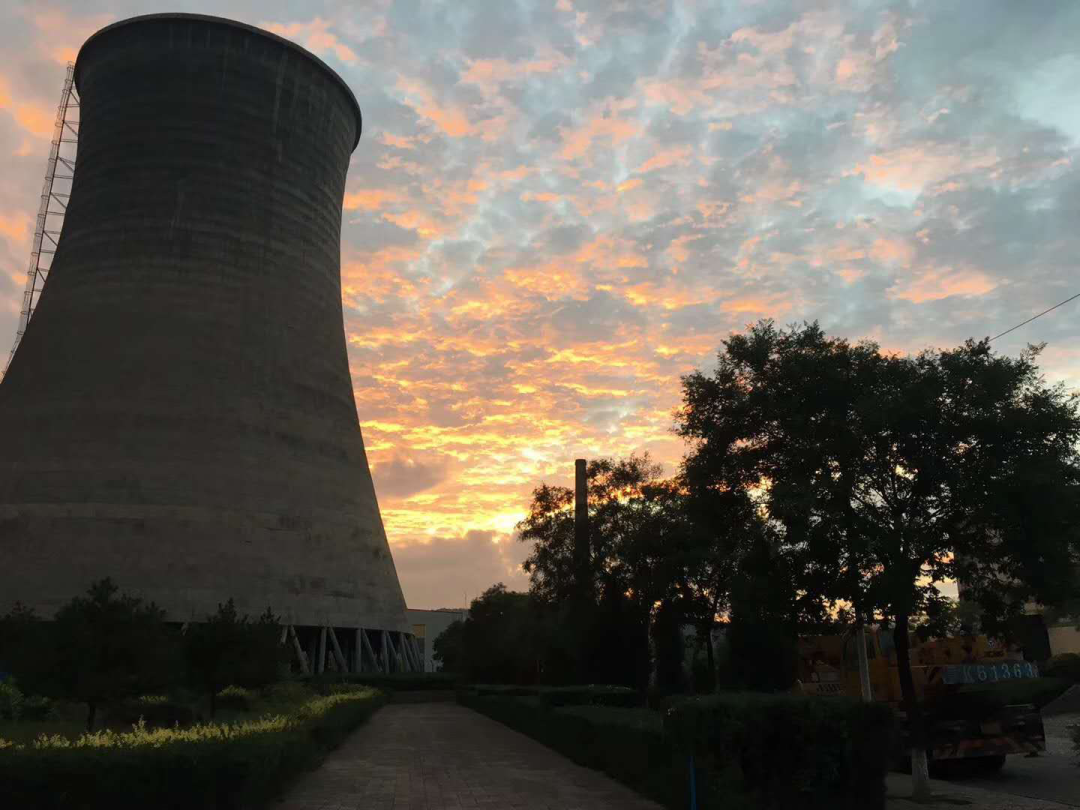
<point x="402" y="682"/>
<point x="749" y="750"/>
<point x="223" y="767"/>
<point x="616" y="696"/>
<point x="787" y="751"/>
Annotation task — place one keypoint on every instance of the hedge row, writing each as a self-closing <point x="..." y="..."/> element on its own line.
<point x="617" y="696"/>
<point x="752" y="751"/>
<point x="787" y="751"/>
<point x="401" y="682"/>
<point x="223" y="767"/>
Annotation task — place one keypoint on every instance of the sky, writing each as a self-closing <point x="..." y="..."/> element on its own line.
<point x="559" y="207"/>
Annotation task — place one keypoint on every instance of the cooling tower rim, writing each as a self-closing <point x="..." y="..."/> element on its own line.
<point x="208" y="18"/>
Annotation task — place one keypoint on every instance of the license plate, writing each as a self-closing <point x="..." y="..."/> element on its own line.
<point x="990" y="673"/>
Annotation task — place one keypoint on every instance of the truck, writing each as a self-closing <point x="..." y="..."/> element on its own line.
<point x="960" y="682"/>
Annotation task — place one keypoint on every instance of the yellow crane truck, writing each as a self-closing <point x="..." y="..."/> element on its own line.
<point x="968" y="716"/>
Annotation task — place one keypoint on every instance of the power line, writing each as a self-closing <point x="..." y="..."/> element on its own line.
<point x="1029" y="320"/>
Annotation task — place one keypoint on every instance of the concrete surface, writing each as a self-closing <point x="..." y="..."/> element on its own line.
<point x="180" y="413"/>
<point x="949" y="796"/>
<point x="1049" y="780"/>
<point x="441" y="756"/>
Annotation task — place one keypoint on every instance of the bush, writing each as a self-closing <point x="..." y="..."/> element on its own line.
<point x="615" y="696"/>
<point x="12" y="701"/>
<point x="235" y="698"/>
<point x="786" y="751"/>
<point x="402" y="682"/>
<point x="157" y="711"/>
<point x="1066" y="665"/>
<point x="211" y="766"/>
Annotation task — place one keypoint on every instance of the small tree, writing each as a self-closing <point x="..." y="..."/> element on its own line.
<point x="229" y="650"/>
<point x="500" y="638"/>
<point x="98" y="649"/>
<point x="448" y="648"/>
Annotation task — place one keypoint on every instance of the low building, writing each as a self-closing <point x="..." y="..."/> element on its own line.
<point x="427" y="625"/>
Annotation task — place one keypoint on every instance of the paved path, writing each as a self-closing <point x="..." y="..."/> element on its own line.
<point x="441" y="756"/>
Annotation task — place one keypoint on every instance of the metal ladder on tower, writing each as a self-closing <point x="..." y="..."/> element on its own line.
<point x="54" y="197"/>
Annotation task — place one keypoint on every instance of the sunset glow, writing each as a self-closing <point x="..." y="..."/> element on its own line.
<point x="558" y="208"/>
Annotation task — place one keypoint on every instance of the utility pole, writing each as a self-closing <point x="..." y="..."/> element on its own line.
<point x="581" y="524"/>
<point x="582" y="615"/>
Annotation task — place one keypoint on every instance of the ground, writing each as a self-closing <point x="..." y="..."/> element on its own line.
<point x="1050" y="781"/>
<point x="438" y="756"/>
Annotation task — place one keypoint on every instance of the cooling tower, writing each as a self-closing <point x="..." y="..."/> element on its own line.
<point x="179" y="415"/>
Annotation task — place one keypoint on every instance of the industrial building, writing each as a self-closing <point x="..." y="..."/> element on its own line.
<point x="428" y="625"/>
<point x="179" y="412"/>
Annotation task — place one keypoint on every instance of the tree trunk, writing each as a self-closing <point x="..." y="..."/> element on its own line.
<point x="920" y="776"/>
<point x="91" y="714"/>
<point x="711" y="658"/>
<point x="864" y="665"/>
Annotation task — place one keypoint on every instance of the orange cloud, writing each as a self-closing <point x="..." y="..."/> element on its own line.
<point x="602" y="125"/>
<point x="451" y="120"/>
<point x="315" y="35"/>
<point x="679" y="155"/>
<point x="936" y="283"/>
<point x="370" y="199"/>
<point x="15" y="228"/>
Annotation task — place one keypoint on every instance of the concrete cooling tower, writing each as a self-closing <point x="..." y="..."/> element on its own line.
<point x="179" y="415"/>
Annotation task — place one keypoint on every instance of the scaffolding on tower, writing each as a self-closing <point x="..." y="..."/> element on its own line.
<point x="55" y="192"/>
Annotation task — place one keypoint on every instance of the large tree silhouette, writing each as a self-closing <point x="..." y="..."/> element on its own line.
<point x="885" y="475"/>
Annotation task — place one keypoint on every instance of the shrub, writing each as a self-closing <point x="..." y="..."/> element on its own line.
<point x="235" y="698"/>
<point x="616" y="696"/>
<point x="12" y="701"/>
<point x="215" y="766"/>
<point x="786" y="751"/>
<point x="153" y="710"/>
<point x="36" y="707"/>
<point x="400" y="682"/>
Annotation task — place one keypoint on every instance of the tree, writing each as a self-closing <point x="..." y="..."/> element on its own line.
<point x="449" y="647"/>
<point x="638" y="543"/>
<point x="98" y="649"/>
<point x="230" y="650"/>
<point x="884" y="475"/>
<point x="500" y="638"/>
<point x="668" y="644"/>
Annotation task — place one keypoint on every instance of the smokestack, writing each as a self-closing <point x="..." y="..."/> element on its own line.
<point x="179" y="415"/>
<point x="581" y="520"/>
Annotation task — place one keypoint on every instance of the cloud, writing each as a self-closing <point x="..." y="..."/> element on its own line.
<point x="451" y="571"/>
<point x="558" y="208"/>
<point x="402" y="476"/>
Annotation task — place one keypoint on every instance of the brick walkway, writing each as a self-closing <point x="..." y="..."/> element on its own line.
<point x="441" y="756"/>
